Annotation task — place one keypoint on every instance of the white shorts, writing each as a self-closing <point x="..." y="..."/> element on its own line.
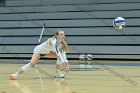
<point x="37" y="49"/>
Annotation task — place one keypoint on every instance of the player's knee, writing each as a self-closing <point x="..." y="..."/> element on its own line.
<point x="32" y="65"/>
<point x="26" y="67"/>
<point x="58" y="62"/>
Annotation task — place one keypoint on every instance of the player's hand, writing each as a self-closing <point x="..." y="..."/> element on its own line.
<point x="66" y="67"/>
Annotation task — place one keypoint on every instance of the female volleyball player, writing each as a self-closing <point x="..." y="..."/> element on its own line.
<point x="54" y="47"/>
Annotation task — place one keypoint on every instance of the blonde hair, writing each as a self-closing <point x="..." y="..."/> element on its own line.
<point x="64" y="45"/>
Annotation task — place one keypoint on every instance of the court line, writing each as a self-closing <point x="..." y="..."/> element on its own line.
<point x="77" y="63"/>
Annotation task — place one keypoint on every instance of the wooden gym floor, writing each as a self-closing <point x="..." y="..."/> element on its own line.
<point x="99" y="77"/>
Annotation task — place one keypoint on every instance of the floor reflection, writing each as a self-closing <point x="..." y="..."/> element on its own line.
<point x="59" y="85"/>
<point x="23" y="88"/>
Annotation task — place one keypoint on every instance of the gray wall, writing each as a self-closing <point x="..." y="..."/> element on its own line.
<point x="87" y="25"/>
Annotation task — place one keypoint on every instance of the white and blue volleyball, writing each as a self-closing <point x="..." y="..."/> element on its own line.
<point x="89" y="57"/>
<point x="119" y="23"/>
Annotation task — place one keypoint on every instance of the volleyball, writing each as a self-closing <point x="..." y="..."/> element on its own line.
<point x="119" y="23"/>
<point x="89" y="57"/>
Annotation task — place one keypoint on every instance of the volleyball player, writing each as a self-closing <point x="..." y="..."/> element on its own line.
<point x="56" y="47"/>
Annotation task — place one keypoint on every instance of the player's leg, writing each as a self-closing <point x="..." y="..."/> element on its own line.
<point x="58" y="72"/>
<point x="58" y="65"/>
<point x="51" y="55"/>
<point x="24" y="68"/>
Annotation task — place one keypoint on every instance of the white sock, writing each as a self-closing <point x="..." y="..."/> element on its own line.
<point x="16" y="74"/>
<point x="24" y="68"/>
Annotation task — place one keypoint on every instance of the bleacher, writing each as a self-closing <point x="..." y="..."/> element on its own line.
<point x="87" y="25"/>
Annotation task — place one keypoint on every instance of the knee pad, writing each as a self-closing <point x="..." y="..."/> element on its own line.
<point x="26" y="67"/>
<point x="58" y="61"/>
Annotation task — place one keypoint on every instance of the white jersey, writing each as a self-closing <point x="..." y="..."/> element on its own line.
<point x="51" y="45"/>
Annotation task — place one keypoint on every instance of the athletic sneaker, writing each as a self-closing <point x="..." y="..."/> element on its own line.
<point x="59" y="75"/>
<point x="11" y="77"/>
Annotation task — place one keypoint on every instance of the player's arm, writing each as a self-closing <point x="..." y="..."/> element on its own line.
<point x="62" y="57"/>
<point x="66" y="60"/>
